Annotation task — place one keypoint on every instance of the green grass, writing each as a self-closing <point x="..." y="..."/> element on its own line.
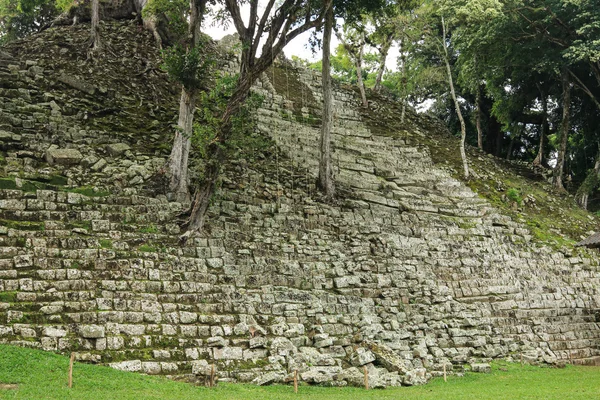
<point x="106" y="243"/>
<point x="41" y="375"/>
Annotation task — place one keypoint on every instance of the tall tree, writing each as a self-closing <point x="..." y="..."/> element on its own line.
<point x="178" y="160"/>
<point x="325" y="168"/>
<point x="280" y="24"/>
<point x="95" y="25"/>
<point x="463" y="129"/>
<point x="353" y="38"/>
<point x="557" y="178"/>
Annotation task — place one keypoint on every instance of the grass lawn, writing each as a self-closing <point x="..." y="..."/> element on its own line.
<point x="41" y="375"/>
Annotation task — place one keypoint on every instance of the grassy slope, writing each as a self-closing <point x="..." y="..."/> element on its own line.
<point x="42" y="375"/>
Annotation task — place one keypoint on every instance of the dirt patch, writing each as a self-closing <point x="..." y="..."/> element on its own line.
<point x="8" y="386"/>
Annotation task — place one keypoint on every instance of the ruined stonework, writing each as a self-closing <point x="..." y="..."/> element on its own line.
<point x="408" y="271"/>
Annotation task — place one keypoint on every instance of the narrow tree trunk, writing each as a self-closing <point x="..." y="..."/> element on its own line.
<point x="383" y="53"/>
<point x="463" y="129"/>
<point x="564" y="133"/>
<point x="217" y="156"/>
<point x="95" y="30"/>
<point x="539" y="159"/>
<point x="178" y="160"/>
<point x="361" y="84"/>
<point x="325" y="168"/>
<point x="478" y="119"/>
<point x="511" y="147"/>
<point x="404" y="82"/>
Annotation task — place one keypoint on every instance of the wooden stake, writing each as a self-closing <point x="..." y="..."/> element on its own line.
<point x="212" y="375"/>
<point x="71" y="370"/>
<point x="445" y="379"/>
<point x="366" y="378"/>
<point x="296" y="381"/>
<point x="521" y="358"/>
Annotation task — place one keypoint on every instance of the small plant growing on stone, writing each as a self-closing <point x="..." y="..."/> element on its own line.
<point x="513" y="195"/>
<point x="106" y="243"/>
<point x="147" y="248"/>
<point x="149" y="229"/>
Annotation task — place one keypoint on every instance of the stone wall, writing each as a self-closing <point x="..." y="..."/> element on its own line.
<point x="409" y="271"/>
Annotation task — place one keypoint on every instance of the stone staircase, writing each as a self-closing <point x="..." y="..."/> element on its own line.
<point x="410" y="271"/>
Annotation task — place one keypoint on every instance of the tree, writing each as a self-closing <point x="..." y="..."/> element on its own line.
<point x="280" y="25"/>
<point x="325" y="168"/>
<point x="95" y="25"/>
<point x="351" y="10"/>
<point x="463" y="130"/>
<point x="353" y="38"/>
<point x="557" y="178"/>
<point x="187" y="74"/>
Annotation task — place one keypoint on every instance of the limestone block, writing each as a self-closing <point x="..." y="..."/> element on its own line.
<point x="23" y="261"/>
<point x="481" y="367"/>
<point x="201" y="367"/>
<point x="92" y="331"/>
<point x="151" y="368"/>
<point x="54" y="332"/>
<point x="228" y="353"/>
<point x="362" y="356"/>
<point x="320" y="374"/>
<point x="12" y="204"/>
<point x="55" y="156"/>
<point x="269" y="378"/>
<point x="117" y="149"/>
<point x="281" y="346"/>
<point x="417" y="376"/>
<point x="99" y="225"/>
<point x="129" y="366"/>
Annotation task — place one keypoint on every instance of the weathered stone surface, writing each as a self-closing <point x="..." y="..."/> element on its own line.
<point x="92" y="331"/>
<point x="269" y="378"/>
<point x="481" y="367"/>
<point x="129" y="366"/>
<point x="56" y="156"/>
<point x="413" y="271"/>
<point x="117" y="149"/>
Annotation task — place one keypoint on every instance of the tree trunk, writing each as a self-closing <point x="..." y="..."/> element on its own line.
<point x="557" y="180"/>
<point x="217" y="156"/>
<point x="383" y="53"/>
<point x="463" y="129"/>
<point x="478" y="119"/>
<point x="404" y="82"/>
<point x="178" y="160"/>
<point x="511" y="147"/>
<point x="325" y="168"/>
<point x="95" y="31"/>
<point x="539" y="159"/>
<point x="361" y="84"/>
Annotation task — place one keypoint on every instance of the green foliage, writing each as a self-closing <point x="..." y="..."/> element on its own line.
<point x="106" y="243"/>
<point x="176" y="13"/>
<point x="514" y="195"/>
<point x="192" y="68"/>
<point x="19" y="18"/>
<point x="213" y="104"/>
<point x="8" y="297"/>
<point x="149" y="229"/>
<point x="147" y="248"/>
